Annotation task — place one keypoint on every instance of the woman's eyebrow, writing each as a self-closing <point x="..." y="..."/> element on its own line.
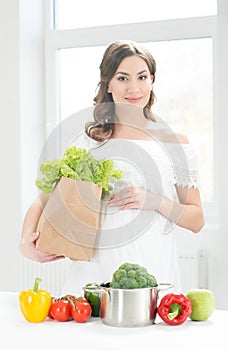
<point x="124" y="73"/>
<point x="143" y="71"/>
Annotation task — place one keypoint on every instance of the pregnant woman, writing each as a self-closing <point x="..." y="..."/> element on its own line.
<point x="159" y="190"/>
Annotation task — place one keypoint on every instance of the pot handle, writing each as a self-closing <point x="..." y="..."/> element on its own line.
<point x="164" y="286"/>
<point x="95" y="288"/>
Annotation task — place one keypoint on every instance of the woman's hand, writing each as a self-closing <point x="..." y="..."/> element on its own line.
<point x="136" y="198"/>
<point x="186" y="213"/>
<point x="28" y="249"/>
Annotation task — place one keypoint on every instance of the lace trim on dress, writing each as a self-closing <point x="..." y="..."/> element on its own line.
<point x="186" y="178"/>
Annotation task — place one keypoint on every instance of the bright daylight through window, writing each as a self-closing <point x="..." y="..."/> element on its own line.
<point x="69" y="12"/>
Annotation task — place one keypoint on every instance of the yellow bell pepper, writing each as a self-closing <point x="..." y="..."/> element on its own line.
<point x="35" y="304"/>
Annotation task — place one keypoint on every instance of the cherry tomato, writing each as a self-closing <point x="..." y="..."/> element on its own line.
<point x="53" y="300"/>
<point x="69" y="296"/>
<point x="60" y="310"/>
<point x="82" y="299"/>
<point x="81" y="310"/>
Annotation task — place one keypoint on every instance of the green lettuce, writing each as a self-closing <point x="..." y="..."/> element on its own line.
<point x="78" y="164"/>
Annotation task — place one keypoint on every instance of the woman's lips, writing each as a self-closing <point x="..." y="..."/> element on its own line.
<point x="133" y="99"/>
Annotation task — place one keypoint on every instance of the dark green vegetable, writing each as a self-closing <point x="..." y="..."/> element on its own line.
<point x="130" y="276"/>
<point x="94" y="300"/>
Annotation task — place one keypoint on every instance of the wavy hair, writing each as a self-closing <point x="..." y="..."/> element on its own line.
<point x="103" y="126"/>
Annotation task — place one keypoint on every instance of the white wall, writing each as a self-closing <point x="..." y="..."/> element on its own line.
<point x="220" y="238"/>
<point x="31" y="94"/>
<point x="22" y="135"/>
<point x="10" y="205"/>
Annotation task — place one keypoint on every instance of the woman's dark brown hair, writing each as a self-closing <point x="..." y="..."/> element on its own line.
<point x="103" y="125"/>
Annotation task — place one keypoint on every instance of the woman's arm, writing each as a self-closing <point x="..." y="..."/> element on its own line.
<point x="29" y="235"/>
<point x="33" y="214"/>
<point x="188" y="213"/>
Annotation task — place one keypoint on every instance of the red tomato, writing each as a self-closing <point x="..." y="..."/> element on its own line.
<point x="60" y="310"/>
<point x="53" y="299"/>
<point x="69" y="297"/>
<point x="81" y="311"/>
<point x="82" y="299"/>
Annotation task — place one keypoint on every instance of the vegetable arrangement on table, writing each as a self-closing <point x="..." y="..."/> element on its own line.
<point x="174" y="309"/>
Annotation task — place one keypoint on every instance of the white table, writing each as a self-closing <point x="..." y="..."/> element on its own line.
<point x="17" y="333"/>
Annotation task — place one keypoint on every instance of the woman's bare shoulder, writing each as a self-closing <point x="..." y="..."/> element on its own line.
<point x="171" y="137"/>
<point x="182" y="138"/>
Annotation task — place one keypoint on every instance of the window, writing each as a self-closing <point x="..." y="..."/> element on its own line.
<point x="78" y="78"/>
<point x="69" y="14"/>
<point x="184" y="81"/>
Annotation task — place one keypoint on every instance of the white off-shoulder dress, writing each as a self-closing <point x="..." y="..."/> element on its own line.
<point x="139" y="236"/>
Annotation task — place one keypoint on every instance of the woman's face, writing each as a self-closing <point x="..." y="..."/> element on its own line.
<point x="132" y="82"/>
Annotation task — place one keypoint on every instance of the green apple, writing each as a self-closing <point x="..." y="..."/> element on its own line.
<point x="203" y="303"/>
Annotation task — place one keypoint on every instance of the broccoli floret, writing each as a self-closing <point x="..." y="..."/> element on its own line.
<point x="119" y="274"/>
<point x="142" y="282"/>
<point x="131" y="283"/>
<point x="123" y="282"/>
<point x="131" y="276"/>
<point x="151" y="280"/>
<point x="116" y="285"/>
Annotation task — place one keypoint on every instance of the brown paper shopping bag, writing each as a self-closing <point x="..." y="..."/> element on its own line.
<point x="70" y="220"/>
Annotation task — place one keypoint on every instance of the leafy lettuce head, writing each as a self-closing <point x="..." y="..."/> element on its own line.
<point x="78" y="164"/>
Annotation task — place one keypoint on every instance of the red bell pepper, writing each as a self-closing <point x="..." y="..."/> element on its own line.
<point x="174" y="309"/>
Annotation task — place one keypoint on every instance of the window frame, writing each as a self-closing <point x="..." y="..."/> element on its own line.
<point x="164" y="30"/>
